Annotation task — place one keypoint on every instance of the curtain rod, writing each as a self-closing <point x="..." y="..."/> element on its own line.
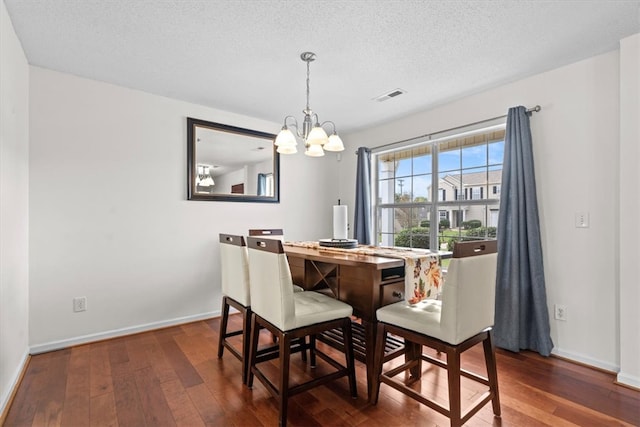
<point x="532" y="110"/>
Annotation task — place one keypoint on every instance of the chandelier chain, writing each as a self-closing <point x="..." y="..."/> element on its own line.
<point x="308" y="73"/>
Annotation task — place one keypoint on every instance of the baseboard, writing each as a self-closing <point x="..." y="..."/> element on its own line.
<point x="5" y="401"/>
<point x="85" y="339"/>
<point x="585" y="360"/>
<point x="630" y="381"/>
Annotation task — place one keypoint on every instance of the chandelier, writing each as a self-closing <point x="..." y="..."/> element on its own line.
<point x="312" y="133"/>
<point x="204" y="178"/>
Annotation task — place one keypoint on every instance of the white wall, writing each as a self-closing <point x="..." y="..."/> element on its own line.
<point x="576" y="149"/>
<point x="14" y="208"/>
<point x="629" y="208"/>
<point x="110" y="219"/>
<point x="229" y="179"/>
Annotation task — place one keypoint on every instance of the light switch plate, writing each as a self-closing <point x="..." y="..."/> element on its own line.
<point x="582" y="219"/>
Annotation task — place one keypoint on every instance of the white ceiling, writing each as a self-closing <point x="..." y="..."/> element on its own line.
<point x="243" y="56"/>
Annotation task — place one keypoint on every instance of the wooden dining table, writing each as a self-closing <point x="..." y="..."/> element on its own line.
<point x="366" y="282"/>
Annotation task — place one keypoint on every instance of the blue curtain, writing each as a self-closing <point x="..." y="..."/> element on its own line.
<point x="362" y="216"/>
<point x="521" y="315"/>
<point x="262" y="184"/>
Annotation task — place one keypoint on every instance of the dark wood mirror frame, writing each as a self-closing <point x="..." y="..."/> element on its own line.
<point x="193" y="161"/>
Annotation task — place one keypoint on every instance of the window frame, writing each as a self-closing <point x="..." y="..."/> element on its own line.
<point x="434" y="204"/>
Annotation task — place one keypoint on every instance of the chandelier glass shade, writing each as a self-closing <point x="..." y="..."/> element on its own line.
<point x="315" y="138"/>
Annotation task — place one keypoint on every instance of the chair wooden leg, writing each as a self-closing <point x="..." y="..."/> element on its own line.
<point x="280" y="389"/>
<point x="413" y="352"/>
<point x="253" y="349"/>
<point x="303" y="343"/>
<point x="312" y="351"/>
<point x="283" y="390"/>
<point x="452" y="365"/>
<point x="453" y="371"/>
<point x="492" y="372"/>
<point x="381" y="338"/>
<point x="223" y="326"/>
<point x="224" y="333"/>
<point x="348" y="354"/>
<point x="246" y="340"/>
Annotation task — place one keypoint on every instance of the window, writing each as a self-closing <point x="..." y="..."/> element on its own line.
<point x="477" y="193"/>
<point x="439" y="191"/>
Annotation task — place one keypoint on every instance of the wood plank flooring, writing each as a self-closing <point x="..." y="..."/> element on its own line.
<point x="173" y="377"/>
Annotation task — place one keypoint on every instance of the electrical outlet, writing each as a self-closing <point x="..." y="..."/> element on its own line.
<point x="79" y="304"/>
<point x="560" y="312"/>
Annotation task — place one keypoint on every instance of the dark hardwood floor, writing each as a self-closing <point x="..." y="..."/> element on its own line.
<point x="173" y="377"/>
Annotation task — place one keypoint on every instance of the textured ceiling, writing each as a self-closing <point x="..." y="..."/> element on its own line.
<point x="243" y="56"/>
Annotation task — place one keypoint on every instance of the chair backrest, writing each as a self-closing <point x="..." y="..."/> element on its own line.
<point x="270" y="233"/>
<point x="468" y="294"/>
<point x="234" y="267"/>
<point x="271" y="283"/>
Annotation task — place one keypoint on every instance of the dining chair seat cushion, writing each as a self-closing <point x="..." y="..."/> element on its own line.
<point x="423" y="317"/>
<point x="297" y="288"/>
<point x="313" y="307"/>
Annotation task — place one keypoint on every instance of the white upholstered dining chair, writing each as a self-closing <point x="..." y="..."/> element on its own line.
<point x="236" y="293"/>
<point x="460" y="320"/>
<point x="292" y="315"/>
<point x="234" y="267"/>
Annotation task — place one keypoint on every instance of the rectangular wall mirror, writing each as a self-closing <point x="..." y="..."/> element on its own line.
<point x="231" y="164"/>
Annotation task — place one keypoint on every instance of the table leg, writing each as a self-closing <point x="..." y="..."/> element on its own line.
<point x="370" y="343"/>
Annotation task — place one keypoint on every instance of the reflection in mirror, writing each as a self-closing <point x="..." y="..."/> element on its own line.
<point x="230" y="163"/>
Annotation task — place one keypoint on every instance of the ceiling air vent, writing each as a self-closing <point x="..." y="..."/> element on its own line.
<point x="389" y="95"/>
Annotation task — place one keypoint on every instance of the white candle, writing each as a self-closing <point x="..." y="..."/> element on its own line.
<point x="340" y="222"/>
